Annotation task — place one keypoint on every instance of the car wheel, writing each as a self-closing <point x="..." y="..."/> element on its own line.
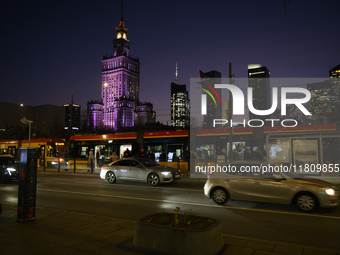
<point x="110" y="177"/>
<point x="2" y="178"/>
<point x="220" y="196"/>
<point x="153" y="179"/>
<point x="306" y="202"/>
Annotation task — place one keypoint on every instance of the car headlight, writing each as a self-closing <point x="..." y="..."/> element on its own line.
<point x="330" y="192"/>
<point x="11" y="169"/>
<point x="165" y="173"/>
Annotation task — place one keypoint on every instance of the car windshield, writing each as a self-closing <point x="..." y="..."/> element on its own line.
<point x="147" y="162"/>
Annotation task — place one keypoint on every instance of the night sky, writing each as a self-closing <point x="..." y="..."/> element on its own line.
<point x="51" y="49"/>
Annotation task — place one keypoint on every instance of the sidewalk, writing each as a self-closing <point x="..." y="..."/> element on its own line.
<point x="62" y="232"/>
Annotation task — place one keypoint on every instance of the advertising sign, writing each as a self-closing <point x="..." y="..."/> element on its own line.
<point x="27" y="184"/>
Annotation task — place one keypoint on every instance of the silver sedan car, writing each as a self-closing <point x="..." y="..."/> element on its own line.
<point x="272" y="187"/>
<point x="139" y="169"/>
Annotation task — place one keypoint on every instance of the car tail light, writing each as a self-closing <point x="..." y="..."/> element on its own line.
<point x="209" y="174"/>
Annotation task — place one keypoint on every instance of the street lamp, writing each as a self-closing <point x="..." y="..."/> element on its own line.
<point x="28" y="122"/>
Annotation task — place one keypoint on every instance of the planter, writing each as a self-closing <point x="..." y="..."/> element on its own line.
<point x="162" y="239"/>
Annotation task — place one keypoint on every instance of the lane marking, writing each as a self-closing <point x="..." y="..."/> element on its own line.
<point x="124" y="185"/>
<point x="195" y="204"/>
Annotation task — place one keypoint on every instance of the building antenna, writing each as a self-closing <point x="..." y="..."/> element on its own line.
<point x="176" y="74"/>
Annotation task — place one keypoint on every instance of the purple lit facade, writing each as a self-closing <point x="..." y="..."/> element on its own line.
<point x="120" y="79"/>
<point x="95" y="115"/>
<point x="144" y="114"/>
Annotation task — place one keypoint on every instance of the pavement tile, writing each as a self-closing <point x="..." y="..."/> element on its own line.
<point x="116" y="239"/>
<point x="288" y="249"/>
<point x="261" y="252"/>
<point x="315" y="251"/>
<point x="89" y="245"/>
<point x="59" y="250"/>
<point x="85" y="217"/>
<point x="91" y="226"/>
<point x="127" y="224"/>
<point x="81" y="252"/>
<point x="109" y="250"/>
<point x="131" y="252"/>
<point x="101" y="220"/>
<point x="234" y="241"/>
<point x="124" y="232"/>
<point x="109" y="229"/>
<point x="7" y="241"/>
<point x="84" y="232"/>
<point x="70" y="242"/>
<point x="102" y="236"/>
<point x="235" y="250"/>
<point x="114" y="222"/>
<point x="261" y="245"/>
<point x="76" y="224"/>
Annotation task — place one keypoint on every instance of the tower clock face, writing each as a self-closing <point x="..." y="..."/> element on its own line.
<point x="119" y="35"/>
<point x="124" y="36"/>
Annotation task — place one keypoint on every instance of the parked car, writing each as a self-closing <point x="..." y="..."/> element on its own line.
<point x="139" y="169"/>
<point x="272" y="187"/>
<point x="9" y="168"/>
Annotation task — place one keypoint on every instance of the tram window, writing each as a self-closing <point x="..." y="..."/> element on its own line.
<point x="49" y="151"/>
<point x="175" y="152"/>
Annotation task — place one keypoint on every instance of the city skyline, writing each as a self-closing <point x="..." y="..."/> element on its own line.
<point x="56" y="48"/>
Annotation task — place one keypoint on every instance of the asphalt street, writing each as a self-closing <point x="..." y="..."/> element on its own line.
<point x="87" y="193"/>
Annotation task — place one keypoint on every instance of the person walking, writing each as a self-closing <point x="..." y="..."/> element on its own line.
<point x="151" y="155"/>
<point x="141" y="154"/>
<point x="91" y="161"/>
<point x="127" y="153"/>
<point x="113" y="157"/>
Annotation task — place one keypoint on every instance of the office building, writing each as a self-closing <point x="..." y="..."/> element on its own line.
<point x="214" y="110"/>
<point x="324" y="104"/>
<point x="335" y="72"/>
<point x="258" y="80"/>
<point x="72" y="116"/>
<point x="180" y="106"/>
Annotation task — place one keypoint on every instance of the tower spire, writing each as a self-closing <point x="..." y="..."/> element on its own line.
<point x="121" y="23"/>
<point x="176" y="74"/>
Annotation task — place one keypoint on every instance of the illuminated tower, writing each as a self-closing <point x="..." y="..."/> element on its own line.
<point x="72" y="116"/>
<point x="258" y="80"/>
<point x="180" y="105"/>
<point x="120" y="80"/>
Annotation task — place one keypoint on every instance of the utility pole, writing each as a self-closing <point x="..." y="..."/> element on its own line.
<point x="231" y="156"/>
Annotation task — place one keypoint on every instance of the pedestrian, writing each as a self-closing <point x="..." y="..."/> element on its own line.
<point x="162" y="157"/>
<point x="127" y="153"/>
<point x="113" y="157"/>
<point x="141" y="154"/>
<point x="98" y="158"/>
<point x="192" y="160"/>
<point x="151" y="155"/>
<point x="236" y="156"/>
<point x="224" y="152"/>
<point x="91" y="162"/>
<point x="246" y="155"/>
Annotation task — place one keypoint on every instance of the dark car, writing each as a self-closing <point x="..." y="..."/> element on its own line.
<point x="9" y="168"/>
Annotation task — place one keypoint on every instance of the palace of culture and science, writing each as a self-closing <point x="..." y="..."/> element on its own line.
<point x="120" y="106"/>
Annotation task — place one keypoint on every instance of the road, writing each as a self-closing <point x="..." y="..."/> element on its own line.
<point x="87" y="193"/>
